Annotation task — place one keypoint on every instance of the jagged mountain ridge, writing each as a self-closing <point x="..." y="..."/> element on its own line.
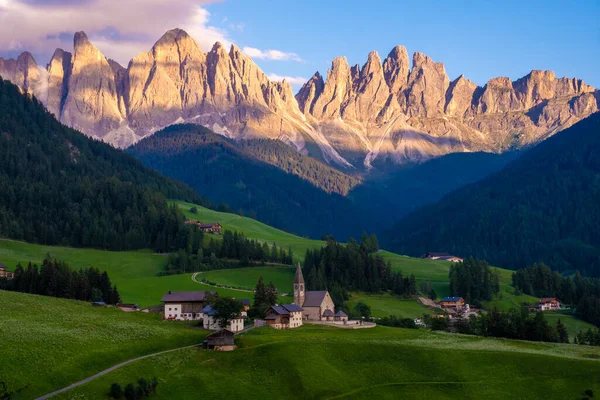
<point x="357" y="116"/>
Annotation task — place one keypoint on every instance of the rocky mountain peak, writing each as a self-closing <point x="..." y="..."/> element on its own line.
<point x="396" y="69"/>
<point x="426" y="87"/>
<point x="309" y="92"/>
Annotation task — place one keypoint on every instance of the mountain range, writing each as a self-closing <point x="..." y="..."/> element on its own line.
<point x="357" y="117"/>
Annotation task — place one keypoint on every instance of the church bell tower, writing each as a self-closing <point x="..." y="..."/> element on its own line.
<point x="299" y="287"/>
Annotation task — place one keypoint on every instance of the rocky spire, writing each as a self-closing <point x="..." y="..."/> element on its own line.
<point x="426" y="87"/>
<point x="310" y="92"/>
<point x="59" y="71"/>
<point x="396" y="68"/>
<point x="459" y="98"/>
<point x="335" y="91"/>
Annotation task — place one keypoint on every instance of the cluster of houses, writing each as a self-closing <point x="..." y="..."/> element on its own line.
<point x="4" y="273"/>
<point x="443" y="257"/>
<point x="212" y="227"/>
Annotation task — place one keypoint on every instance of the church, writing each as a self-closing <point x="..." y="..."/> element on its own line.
<point x="317" y="304"/>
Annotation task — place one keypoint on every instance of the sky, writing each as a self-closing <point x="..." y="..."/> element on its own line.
<point x="294" y="39"/>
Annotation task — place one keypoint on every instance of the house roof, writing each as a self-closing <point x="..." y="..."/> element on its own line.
<point x="171" y="297"/>
<point x="292" y="307"/>
<point x="341" y="314"/>
<point x="222" y="332"/>
<point x="208" y="310"/>
<point x="547" y="300"/>
<point x="314" y="298"/>
<point x="328" y="313"/>
<point x="2" y="266"/>
<point x="280" y="310"/>
<point x="454" y="298"/>
<point x="298" y="278"/>
<point x="210" y="225"/>
<point x="245" y="302"/>
<point x="449" y="258"/>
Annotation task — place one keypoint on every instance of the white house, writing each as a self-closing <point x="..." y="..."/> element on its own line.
<point x="210" y="322"/>
<point x="184" y="306"/>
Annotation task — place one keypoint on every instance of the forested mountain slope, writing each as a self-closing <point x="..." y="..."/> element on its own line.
<point x="544" y="206"/>
<point x="241" y="175"/>
<point x="58" y="186"/>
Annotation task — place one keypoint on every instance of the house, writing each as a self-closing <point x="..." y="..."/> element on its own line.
<point x="184" y="306"/>
<point x="453" y="302"/>
<point x="314" y="303"/>
<point x="222" y="340"/>
<point x="246" y="303"/>
<point x="211" y="323"/>
<point x="341" y="316"/>
<point x="99" y="304"/>
<point x="286" y="316"/>
<point x="548" y="303"/>
<point x="128" y="307"/>
<point x="451" y="259"/>
<point x="419" y="322"/>
<point x="4" y="273"/>
<point x="213" y="227"/>
<point x="442" y="256"/>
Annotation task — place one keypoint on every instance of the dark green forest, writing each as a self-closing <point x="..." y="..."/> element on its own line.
<point x="543" y="207"/>
<point x="58" y="186"/>
<point x="236" y="173"/>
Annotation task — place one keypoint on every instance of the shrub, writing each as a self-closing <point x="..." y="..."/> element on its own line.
<point x="116" y="391"/>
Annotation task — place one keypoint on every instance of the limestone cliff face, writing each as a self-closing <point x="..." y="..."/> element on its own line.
<point x="356" y="117"/>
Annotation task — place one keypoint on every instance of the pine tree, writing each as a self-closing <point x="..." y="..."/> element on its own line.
<point x="563" y="334"/>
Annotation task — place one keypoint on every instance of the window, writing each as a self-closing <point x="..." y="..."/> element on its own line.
<point x="169" y="309"/>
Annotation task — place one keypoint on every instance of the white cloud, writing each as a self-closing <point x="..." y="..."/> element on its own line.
<point x="120" y="30"/>
<point x="292" y="80"/>
<point x="276" y="55"/>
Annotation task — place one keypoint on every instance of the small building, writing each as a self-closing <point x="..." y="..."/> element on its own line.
<point x="222" y="340"/>
<point x="341" y="316"/>
<point x="246" y="308"/>
<point x="286" y="316"/>
<point x="5" y="273"/>
<point x="128" y="307"/>
<point x="442" y="256"/>
<point x="453" y="302"/>
<point x="314" y="303"/>
<point x="213" y="227"/>
<point x="451" y="259"/>
<point x="184" y="306"/>
<point x="211" y="323"/>
<point x="98" y="304"/>
<point x="328" y="315"/>
<point x="548" y="303"/>
<point x="419" y="322"/>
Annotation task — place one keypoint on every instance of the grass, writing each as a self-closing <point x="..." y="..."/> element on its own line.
<point x="573" y="324"/>
<point x="282" y="277"/>
<point x="327" y="363"/>
<point x="383" y="305"/>
<point x="49" y="343"/>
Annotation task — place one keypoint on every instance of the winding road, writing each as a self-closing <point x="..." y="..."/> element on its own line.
<point x="195" y="274"/>
<point x="106" y="371"/>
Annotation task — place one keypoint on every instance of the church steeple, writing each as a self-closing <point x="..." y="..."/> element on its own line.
<point x="299" y="287"/>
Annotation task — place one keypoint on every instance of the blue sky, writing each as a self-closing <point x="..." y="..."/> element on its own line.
<point x="480" y="39"/>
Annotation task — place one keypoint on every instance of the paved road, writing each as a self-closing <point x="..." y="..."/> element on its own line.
<point x="106" y="371"/>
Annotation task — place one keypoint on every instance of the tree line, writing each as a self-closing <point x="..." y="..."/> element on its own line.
<point x="57" y="279"/>
<point x="514" y="324"/>
<point x="233" y="251"/>
<point x="353" y="267"/>
<point x="473" y="280"/>
<point x="583" y="293"/>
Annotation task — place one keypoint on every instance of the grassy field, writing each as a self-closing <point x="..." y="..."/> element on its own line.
<point x="49" y="343"/>
<point x="383" y="305"/>
<point x="282" y="277"/>
<point x="388" y="363"/>
<point x="573" y="324"/>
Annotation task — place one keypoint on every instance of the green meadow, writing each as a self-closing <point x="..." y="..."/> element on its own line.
<point x="282" y="277"/>
<point x="48" y="343"/>
<point x="329" y="363"/>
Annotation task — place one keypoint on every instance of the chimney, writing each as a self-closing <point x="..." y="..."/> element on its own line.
<point x="170" y="292"/>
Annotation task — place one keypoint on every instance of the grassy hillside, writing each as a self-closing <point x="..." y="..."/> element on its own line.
<point x="311" y="363"/>
<point x="282" y="277"/>
<point x="49" y="343"/>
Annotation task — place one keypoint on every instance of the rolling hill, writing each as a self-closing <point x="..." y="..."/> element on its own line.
<point x="541" y="207"/>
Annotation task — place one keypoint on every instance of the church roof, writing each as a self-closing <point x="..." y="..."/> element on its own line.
<point x="314" y="298"/>
<point x="292" y="307"/>
<point x="341" y="314"/>
<point x="299" y="278"/>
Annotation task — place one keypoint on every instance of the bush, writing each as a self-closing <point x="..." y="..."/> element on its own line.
<point x="116" y="391"/>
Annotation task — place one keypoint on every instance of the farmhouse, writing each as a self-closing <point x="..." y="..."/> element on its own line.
<point x="453" y="302"/>
<point x="315" y="303"/>
<point x="183" y="306"/>
<point x="548" y="303"/>
<point x="213" y="227"/>
<point x="211" y="323"/>
<point x="286" y="316"/>
<point x="222" y="340"/>
<point x="4" y="273"/>
<point x="442" y="256"/>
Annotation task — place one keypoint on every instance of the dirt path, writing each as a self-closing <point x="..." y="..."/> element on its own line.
<point x="195" y="274"/>
<point x="106" y="371"/>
